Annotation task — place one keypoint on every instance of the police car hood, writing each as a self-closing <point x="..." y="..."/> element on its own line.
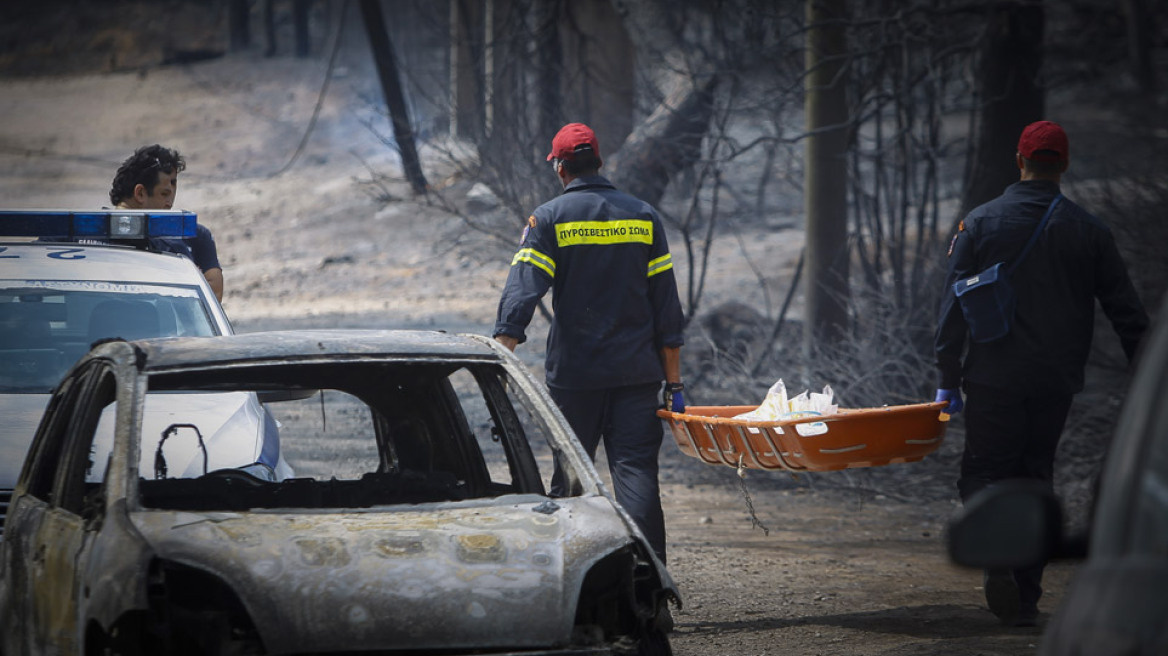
<point x="233" y="426"/>
<point x="20" y="414"/>
<point x="186" y="434"/>
<point x="440" y="575"/>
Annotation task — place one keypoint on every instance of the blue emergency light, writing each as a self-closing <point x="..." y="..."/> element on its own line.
<point x="101" y="225"/>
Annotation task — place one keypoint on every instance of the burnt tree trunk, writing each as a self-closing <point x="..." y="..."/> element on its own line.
<point x="467" y="83"/>
<point x="671" y="137"/>
<point x="383" y="56"/>
<point x="239" y="24"/>
<point x="825" y="185"/>
<point x="269" y="28"/>
<point x="548" y="68"/>
<point x="1010" y="99"/>
<point x="300" y="26"/>
<point x="1140" y="28"/>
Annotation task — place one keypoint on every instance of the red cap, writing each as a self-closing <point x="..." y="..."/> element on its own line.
<point x="573" y="138"/>
<point x="1040" y="136"/>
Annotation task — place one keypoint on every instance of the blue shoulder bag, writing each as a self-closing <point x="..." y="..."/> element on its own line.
<point x="987" y="300"/>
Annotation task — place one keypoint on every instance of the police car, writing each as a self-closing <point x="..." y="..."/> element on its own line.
<point x="70" y="278"/>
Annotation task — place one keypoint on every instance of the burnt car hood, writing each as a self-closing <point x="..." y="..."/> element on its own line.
<point x="428" y="576"/>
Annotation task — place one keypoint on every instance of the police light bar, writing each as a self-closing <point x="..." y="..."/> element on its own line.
<point x="102" y="225"/>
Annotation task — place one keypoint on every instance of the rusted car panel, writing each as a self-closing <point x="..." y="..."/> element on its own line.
<point x="443" y="540"/>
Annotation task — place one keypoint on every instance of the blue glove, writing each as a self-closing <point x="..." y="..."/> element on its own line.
<point x="953" y="398"/>
<point x="671" y="395"/>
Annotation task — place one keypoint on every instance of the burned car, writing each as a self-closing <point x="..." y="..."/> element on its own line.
<point x="417" y="521"/>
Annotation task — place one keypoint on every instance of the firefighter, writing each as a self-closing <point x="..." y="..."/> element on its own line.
<point x="617" y="327"/>
<point x="1019" y="389"/>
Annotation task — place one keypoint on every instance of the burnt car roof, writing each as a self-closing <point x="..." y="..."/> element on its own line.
<point x="304" y="345"/>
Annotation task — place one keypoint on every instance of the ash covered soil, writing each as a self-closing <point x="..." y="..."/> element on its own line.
<point x="849" y="562"/>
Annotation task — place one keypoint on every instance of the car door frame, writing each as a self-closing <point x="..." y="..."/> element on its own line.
<point x="65" y="530"/>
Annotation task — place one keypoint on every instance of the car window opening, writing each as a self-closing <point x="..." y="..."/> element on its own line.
<point x="354" y="437"/>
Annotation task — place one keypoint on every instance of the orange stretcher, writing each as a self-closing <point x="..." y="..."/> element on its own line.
<point x="864" y="437"/>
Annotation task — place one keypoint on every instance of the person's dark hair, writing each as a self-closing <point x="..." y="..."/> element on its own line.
<point x="142" y="168"/>
<point x="582" y="163"/>
<point x="1042" y="167"/>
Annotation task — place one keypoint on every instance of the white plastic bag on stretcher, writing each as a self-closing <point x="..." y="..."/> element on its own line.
<point x="777" y="407"/>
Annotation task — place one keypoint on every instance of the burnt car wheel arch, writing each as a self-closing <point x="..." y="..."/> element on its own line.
<point x="190" y="612"/>
<point x="626" y="615"/>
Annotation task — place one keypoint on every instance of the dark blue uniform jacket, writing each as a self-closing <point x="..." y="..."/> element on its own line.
<point x="200" y="249"/>
<point x="1074" y="262"/>
<point x="614" y="296"/>
<point x="203" y="250"/>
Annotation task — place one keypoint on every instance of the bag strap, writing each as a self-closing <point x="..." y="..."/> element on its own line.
<point x="1034" y="236"/>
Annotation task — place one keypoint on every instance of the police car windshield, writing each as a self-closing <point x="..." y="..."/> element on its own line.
<point x="46" y="325"/>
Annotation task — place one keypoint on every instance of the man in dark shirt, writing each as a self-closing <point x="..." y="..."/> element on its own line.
<point x="148" y="180"/>
<point x="1019" y="388"/>
<point x="617" y="330"/>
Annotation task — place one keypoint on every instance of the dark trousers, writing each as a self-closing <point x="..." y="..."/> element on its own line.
<point x="1010" y="435"/>
<point x="626" y="419"/>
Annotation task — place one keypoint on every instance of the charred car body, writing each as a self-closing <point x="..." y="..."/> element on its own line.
<point x="418" y="519"/>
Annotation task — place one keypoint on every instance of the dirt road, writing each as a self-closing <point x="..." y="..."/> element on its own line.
<point x="853" y="562"/>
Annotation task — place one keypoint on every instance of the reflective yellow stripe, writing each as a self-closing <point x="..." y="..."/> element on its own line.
<point x="536" y="259"/>
<point x="663" y="263"/>
<point x="625" y="231"/>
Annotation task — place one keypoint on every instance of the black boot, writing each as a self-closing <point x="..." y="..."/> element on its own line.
<point x="1001" y="593"/>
